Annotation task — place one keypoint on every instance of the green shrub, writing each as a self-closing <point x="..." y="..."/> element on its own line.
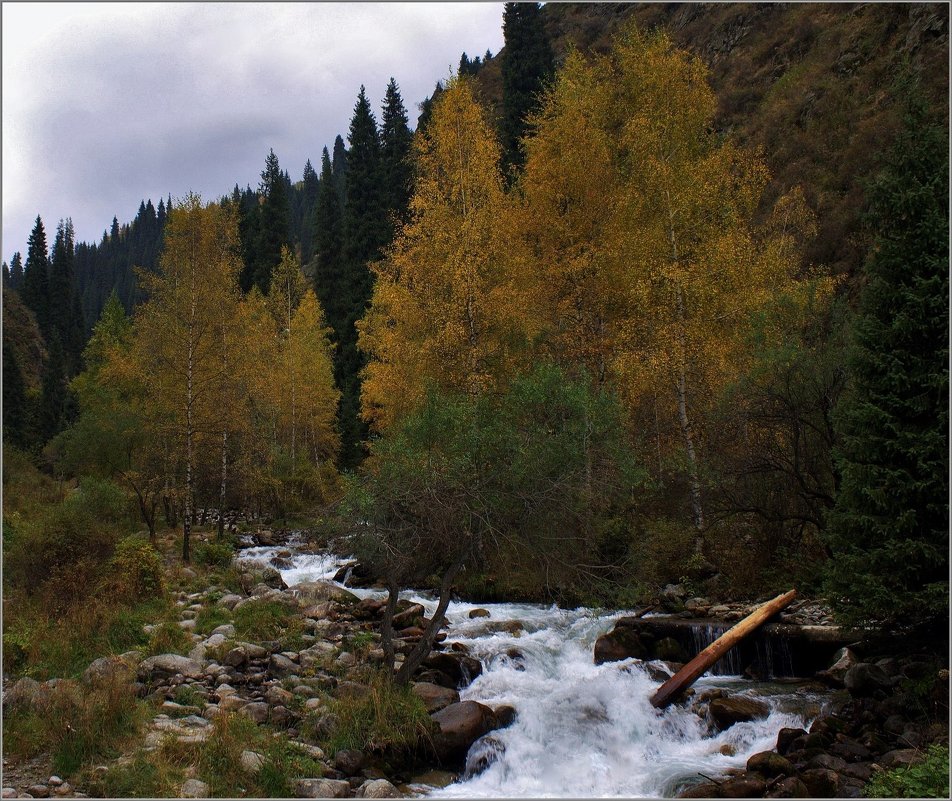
<point x="137" y="569"/>
<point x="104" y="501"/>
<point x="385" y="718"/>
<point x="268" y="620"/>
<point x="927" y="779"/>
<point x="210" y="618"/>
<point x="213" y="554"/>
<point x="142" y="777"/>
<point x="168" y="638"/>
<point x="187" y="695"/>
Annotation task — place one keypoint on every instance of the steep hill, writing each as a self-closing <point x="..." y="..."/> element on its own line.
<point x="813" y="85"/>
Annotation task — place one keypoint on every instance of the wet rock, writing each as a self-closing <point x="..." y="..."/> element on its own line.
<point x="434" y="696"/>
<point x="251" y="761"/>
<point x="835" y="674"/>
<point x="166" y="665"/>
<point x="786" y="737"/>
<point x="193" y="788"/>
<point x="862" y="771"/>
<point x="505" y="715"/>
<point x="851" y="751"/>
<point x="821" y="783"/>
<point x="703" y="790"/>
<point x="769" y="764"/>
<point x="828" y="762"/>
<point x="377" y="788"/>
<point x="725" y="712"/>
<point x="272" y="578"/>
<point x="620" y="643"/>
<point x="483" y="753"/>
<point x="369" y="608"/>
<point x="321" y="788"/>
<point x="460" y="725"/>
<point x="791" y="787"/>
<point x="669" y="649"/>
<point x="309" y="593"/>
<point x="742" y="787"/>
<point x="474" y="613"/>
<point x="863" y="679"/>
<point x="350" y="763"/>
<point x="460" y="668"/>
<point x="409" y="617"/>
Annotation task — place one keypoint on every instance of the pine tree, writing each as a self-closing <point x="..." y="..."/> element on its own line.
<point x="395" y="141"/>
<point x="274" y="224"/>
<point x="16" y="271"/>
<point x="36" y="289"/>
<point x="889" y="530"/>
<point x="527" y="65"/>
<point x="327" y="222"/>
<point x="365" y="233"/>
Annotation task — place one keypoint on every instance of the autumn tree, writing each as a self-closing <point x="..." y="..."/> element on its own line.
<point x="178" y="335"/>
<point x="443" y="310"/>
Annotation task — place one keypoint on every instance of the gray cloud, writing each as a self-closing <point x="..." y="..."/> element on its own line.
<point x="107" y="104"/>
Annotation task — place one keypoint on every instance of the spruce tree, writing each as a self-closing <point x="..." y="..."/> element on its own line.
<point x="6" y="274"/>
<point x="62" y="291"/>
<point x="527" y="65"/>
<point x="53" y="400"/>
<point x="327" y="222"/>
<point x="274" y="222"/>
<point x="16" y="271"/>
<point x="339" y="164"/>
<point x="310" y="187"/>
<point x="426" y="108"/>
<point x="36" y="290"/>
<point x="889" y="529"/>
<point x="395" y="141"/>
<point x="15" y="411"/>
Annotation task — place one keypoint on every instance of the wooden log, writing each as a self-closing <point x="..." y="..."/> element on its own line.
<point x="690" y="673"/>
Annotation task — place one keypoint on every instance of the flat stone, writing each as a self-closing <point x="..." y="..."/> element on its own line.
<point x="725" y="712"/>
<point x="434" y="696"/>
<point x="170" y="664"/>
<point x="377" y="788"/>
<point x="229" y="601"/>
<point x="193" y="788"/>
<point x="257" y="711"/>
<point x="321" y="788"/>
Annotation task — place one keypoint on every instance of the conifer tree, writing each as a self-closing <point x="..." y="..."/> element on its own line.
<point x="327" y="222"/>
<point x="36" y="288"/>
<point x="889" y="529"/>
<point x="15" y="410"/>
<point x="527" y="65"/>
<point x="339" y="163"/>
<point x="274" y="224"/>
<point x="16" y="271"/>
<point x="310" y="189"/>
<point x="52" y="408"/>
<point x="63" y="306"/>
<point x="395" y="140"/>
<point x="426" y="108"/>
<point x="6" y="274"/>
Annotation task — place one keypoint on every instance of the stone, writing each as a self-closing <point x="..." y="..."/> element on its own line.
<point x="272" y="578"/>
<point x="54" y="781"/>
<point x="827" y="761"/>
<point x="620" y="643"/>
<point x="460" y="668"/>
<point x="276" y="696"/>
<point x="786" y="737"/>
<point x="165" y="665"/>
<point x="257" y="711"/>
<point x="229" y="601"/>
<point x="474" y="613"/>
<point x="377" y="788"/>
<point x="769" y="764"/>
<point x="108" y="668"/>
<point x="459" y="726"/>
<point x="38" y="791"/>
<point x="835" y="674"/>
<point x="900" y="758"/>
<point x="505" y="715"/>
<point x="434" y="696"/>
<point x="251" y="761"/>
<point x="63" y="790"/>
<point x="321" y="788"/>
<point x="821" y="783"/>
<point x="851" y="751"/>
<point x="282" y="717"/>
<point x="409" y="616"/>
<point x="280" y="665"/>
<point x="309" y="593"/>
<point x="346" y="660"/>
<point x="791" y="787"/>
<point x="742" y="787"/>
<point x="702" y="790"/>
<point x="193" y="788"/>
<point x="24" y="693"/>
<point x="348" y="762"/>
<point x="226" y="631"/>
<point x="725" y="712"/>
<point x="669" y="649"/>
<point x="863" y="679"/>
<point x="9" y="792"/>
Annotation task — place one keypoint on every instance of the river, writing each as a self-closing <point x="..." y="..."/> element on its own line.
<point x="581" y="730"/>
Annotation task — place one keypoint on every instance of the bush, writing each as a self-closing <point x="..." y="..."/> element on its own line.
<point x="76" y="726"/>
<point x="210" y="618"/>
<point x="385" y="718"/>
<point x="137" y="569"/>
<point x="213" y="554"/>
<point x="104" y="501"/>
<point x="268" y="620"/>
<point x="168" y="638"/>
<point x="928" y="779"/>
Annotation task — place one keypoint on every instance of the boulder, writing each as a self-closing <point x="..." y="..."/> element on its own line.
<point x="482" y="754"/>
<point x="24" y="693"/>
<point x="321" y="788"/>
<point x="786" y="737"/>
<point x="821" y="783"/>
<point x="725" y="712"/>
<point x="702" y="790"/>
<point x="474" y="613"/>
<point x="272" y="578"/>
<point x="369" y="608"/>
<point x="193" y="788"/>
<point x="377" y="788"/>
<point x="669" y="649"/>
<point x="459" y="726"/>
<point x="769" y="764"/>
<point x="251" y="761"/>
<point x="410" y="616"/>
<point x="900" y="758"/>
<point x="434" y="696"/>
<point x="620" y="643"/>
<point x="257" y="711"/>
<point x="280" y="665"/>
<point x="108" y="668"/>
<point x="166" y="665"/>
<point x="229" y="601"/>
<point x="348" y="762"/>
<point x="863" y="679"/>
<point x="460" y="668"/>
<point x="791" y="787"/>
<point x="742" y="787"/>
<point x="236" y="657"/>
<point x="310" y="593"/>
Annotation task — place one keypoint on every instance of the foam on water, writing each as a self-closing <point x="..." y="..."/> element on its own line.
<point x="581" y="730"/>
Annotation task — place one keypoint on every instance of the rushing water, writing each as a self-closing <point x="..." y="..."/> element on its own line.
<point x="581" y="730"/>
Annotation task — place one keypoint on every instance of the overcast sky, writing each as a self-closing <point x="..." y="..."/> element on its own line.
<point x="106" y="104"/>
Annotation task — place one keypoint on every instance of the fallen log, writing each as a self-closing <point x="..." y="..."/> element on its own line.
<point x="690" y="673"/>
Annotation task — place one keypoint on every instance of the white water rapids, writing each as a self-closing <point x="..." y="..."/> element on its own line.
<point x="581" y="730"/>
